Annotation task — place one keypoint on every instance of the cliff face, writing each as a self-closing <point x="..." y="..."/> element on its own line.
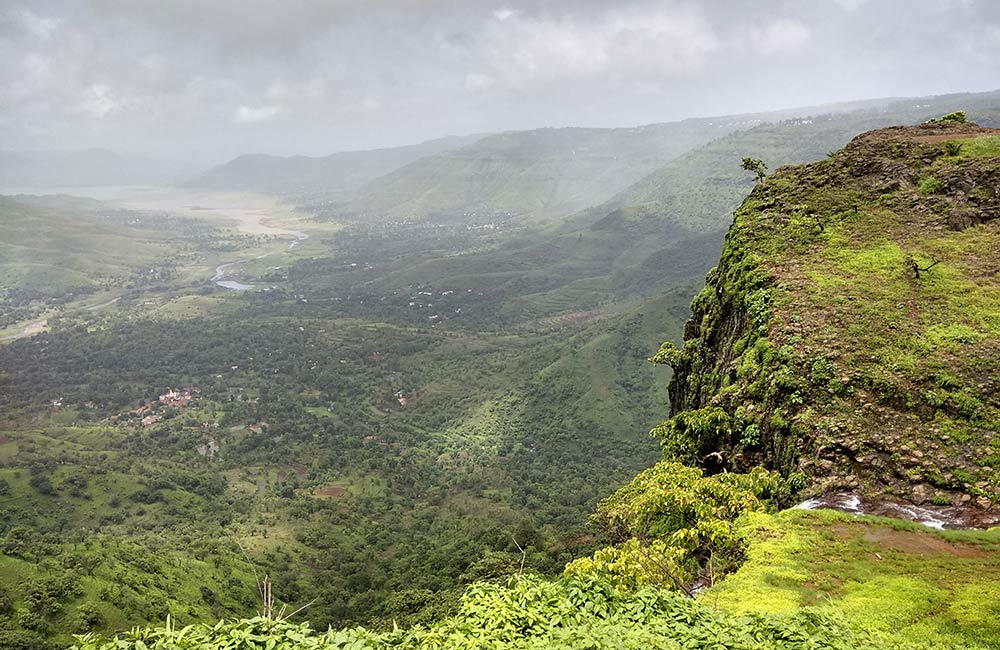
<point x="851" y="331"/>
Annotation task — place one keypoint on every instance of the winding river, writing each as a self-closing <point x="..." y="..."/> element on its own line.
<point x="220" y="271"/>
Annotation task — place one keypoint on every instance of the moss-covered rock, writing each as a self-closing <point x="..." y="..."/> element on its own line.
<point x="851" y="330"/>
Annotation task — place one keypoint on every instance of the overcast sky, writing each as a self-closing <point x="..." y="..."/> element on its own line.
<point x="317" y="76"/>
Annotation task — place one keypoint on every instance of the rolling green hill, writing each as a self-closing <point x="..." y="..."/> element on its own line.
<point x="332" y="178"/>
<point x="526" y="174"/>
<point x="55" y="249"/>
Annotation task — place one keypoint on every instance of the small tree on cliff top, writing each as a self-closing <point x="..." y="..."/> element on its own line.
<point x="756" y="166"/>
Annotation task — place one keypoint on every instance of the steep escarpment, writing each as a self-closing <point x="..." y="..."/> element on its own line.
<point x="851" y="331"/>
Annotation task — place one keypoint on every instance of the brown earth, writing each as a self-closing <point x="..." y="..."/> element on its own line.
<point x="920" y="543"/>
<point x="330" y="491"/>
<point x="300" y="472"/>
<point x="907" y="541"/>
<point x="945" y="137"/>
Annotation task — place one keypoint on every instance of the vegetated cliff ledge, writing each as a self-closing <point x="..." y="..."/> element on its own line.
<point x="851" y="331"/>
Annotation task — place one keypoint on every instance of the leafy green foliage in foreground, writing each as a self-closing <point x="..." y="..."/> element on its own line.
<point x="812" y="579"/>
<point x="678" y="525"/>
<point x="530" y="612"/>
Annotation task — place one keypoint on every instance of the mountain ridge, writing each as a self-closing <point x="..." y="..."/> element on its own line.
<point x="306" y="176"/>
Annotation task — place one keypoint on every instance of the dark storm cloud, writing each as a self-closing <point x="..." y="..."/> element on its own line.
<point x="315" y="76"/>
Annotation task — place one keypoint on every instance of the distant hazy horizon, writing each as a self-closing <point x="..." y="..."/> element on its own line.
<point x="217" y="79"/>
<point x="183" y="162"/>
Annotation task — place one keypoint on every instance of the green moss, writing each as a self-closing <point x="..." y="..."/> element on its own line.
<point x="928" y="185"/>
<point x="883" y="261"/>
<point x="903" y="582"/>
<point x="977" y="147"/>
<point x="951" y="334"/>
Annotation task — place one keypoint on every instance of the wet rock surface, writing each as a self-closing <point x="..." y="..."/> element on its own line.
<point x="951" y="517"/>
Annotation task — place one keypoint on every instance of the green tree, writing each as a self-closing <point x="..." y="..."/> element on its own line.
<point x="90" y="615"/>
<point x="958" y="117"/>
<point x="756" y="166"/>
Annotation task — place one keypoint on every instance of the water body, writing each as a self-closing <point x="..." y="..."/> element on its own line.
<point x="933" y="516"/>
<point x="220" y="270"/>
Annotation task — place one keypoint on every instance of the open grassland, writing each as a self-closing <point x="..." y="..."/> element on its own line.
<point x="903" y="582"/>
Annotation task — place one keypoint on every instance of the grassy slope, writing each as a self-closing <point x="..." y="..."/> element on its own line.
<point x="542" y="174"/>
<point x="50" y="246"/>
<point x="907" y="583"/>
<point x="813" y="579"/>
<point x="87" y="543"/>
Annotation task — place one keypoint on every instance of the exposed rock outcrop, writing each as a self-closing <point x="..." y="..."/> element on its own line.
<point x="851" y="331"/>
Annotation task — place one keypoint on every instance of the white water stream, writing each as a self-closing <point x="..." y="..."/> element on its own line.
<point x="933" y="516"/>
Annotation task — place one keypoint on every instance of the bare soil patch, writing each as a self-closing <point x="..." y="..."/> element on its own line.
<point x="330" y="491"/>
<point x="945" y="137"/>
<point x="920" y="543"/>
<point x="298" y="468"/>
<point x="908" y="541"/>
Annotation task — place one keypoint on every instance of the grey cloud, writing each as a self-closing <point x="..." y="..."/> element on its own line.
<point x="314" y="76"/>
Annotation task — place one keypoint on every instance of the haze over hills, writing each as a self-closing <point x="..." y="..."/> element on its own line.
<point x="537" y="174"/>
<point x="544" y="174"/>
<point x="334" y="177"/>
<point x="526" y="174"/>
<point x="84" y="167"/>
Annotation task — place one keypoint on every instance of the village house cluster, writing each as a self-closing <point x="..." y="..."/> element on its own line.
<point x="175" y="398"/>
